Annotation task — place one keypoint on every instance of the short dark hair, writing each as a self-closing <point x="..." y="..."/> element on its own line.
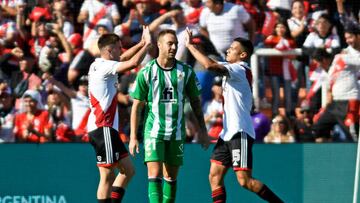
<point x="164" y="32"/>
<point x="221" y="2"/>
<point x="246" y="45"/>
<point x="108" y="39"/>
<point x="321" y="54"/>
<point x="352" y="28"/>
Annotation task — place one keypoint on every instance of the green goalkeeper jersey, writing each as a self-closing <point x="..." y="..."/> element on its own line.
<point x="165" y="92"/>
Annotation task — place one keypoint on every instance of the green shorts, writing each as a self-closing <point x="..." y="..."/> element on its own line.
<point x="169" y="152"/>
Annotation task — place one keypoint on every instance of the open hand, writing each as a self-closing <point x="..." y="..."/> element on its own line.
<point x="188" y="37"/>
<point x="146" y="36"/>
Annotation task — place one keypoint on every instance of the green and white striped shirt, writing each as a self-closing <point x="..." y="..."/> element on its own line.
<point x="165" y="92"/>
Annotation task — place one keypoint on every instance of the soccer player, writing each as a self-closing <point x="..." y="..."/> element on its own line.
<point x="234" y="146"/>
<point x="102" y="126"/>
<point x="163" y="85"/>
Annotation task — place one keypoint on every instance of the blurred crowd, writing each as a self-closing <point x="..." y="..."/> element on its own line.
<point x="47" y="46"/>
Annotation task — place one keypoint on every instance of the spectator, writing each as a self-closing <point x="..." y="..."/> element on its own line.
<point x="33" y="123"/>
<point x="280" y="132"/>
<point x="92" y="11"/>
<point x="81" y="63"/>
<point x="213" y="111"/>
<point x="192" y="10"/>
<point x="281" y="69"/>
<point x="322" y="37"/>
<point x="221" y="22"/>
<point x="303" y="124"/>
<point x="61" y="16"/>
<point x="80" y="108"/>
<point x="50" y="58"/>
<point x="9" y="9"/>
<point x="298" y="26"/>
<point x="343" y="102"/>
<point x="7" y="113"/>
<point x="319" y="78"/>
<point x="7" y="32"/>
<point x="178" y="25"/>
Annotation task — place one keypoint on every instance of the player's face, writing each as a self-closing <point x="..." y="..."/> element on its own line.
<point x="233" y="54"/>
<point x="168" y="45"/>
<point x="115" y="51"/>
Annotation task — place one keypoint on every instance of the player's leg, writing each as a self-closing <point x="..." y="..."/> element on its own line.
<point x="216" y="179"/>
<point x="155" y="181"/>
<point x="220" y="162"/>
<point x="241" y="152"/>
<point x="248" y="182"/>
<point x="174" y="154"/>
<point x="98" y="139"/>
<point x="154" y="158"/>
<point x="107" y="177"/>
<point x="126" y="172"/>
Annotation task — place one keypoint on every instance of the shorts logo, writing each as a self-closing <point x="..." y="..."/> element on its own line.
<point x="236" y="157"/>
<point x="117" y="155"/>
<point x="181" y="148"/>
<point x="98" y="158"/>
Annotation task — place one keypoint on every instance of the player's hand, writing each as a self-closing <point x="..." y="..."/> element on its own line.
<point x="133" y="146"/>
<point x="146" y="36"/>
<point x="204" y="139"/>
<point x="188" y="37"/>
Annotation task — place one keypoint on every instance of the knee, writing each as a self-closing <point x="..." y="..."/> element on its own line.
<point x="243" y="182"/>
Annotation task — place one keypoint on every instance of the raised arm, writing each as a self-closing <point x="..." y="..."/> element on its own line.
<point x="204" y="60"/>
<point x="154" y="25"/>
<point x="67" y="91"/>
<point x="139" y="56"/>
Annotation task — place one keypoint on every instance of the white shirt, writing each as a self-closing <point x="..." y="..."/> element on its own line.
<point x="79" y="106"/>
<point x="102" y="94"/>
<point x="345" y="86"/>
<point x="93" y="7"/>
<point x="237" y="101"/>
<point x="223" y="28"/>
<point x="7" y="127"/>
<point x="313" y="40"/>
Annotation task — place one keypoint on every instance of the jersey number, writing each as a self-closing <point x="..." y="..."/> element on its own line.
<point x="150" y="144"/>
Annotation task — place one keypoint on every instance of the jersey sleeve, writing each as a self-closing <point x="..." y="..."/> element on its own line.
<point x="140" y="88"/>
<point x="235" y="71"/>
<point x="193" y="86"/>
<point x="243" y="15"/>
<point x="109" y="68"/>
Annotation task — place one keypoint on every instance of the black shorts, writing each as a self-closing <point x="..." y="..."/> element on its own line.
<point x="108" y="146"/>
<point x="236" y="153"/>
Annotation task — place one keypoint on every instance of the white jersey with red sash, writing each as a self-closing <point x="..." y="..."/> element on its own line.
<point x="343" y="79"/>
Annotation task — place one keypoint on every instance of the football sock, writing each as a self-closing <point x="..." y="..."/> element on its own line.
<point x="117" y="194"/>
<point x="169" y="191"/>
<point x="268" y="195"/>
<point x="155" y="190"/>
<point x="219" y="195"/>
<point x="104" y="200"/>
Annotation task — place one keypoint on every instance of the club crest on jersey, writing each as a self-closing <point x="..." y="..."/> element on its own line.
<point x="180" y="76"/>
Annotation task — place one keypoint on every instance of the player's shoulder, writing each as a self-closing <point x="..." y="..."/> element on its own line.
<point x="184" y="65"/>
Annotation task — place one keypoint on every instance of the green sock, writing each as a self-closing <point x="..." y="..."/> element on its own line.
<point x="154" y="190"/>
<point x="169" y="191"/>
